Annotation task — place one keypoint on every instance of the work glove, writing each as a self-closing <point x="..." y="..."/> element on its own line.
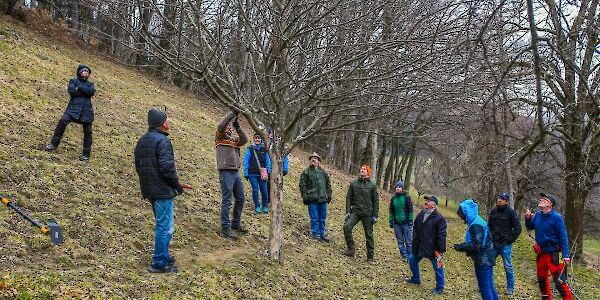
<point x="458" y="247"/>
<point x="285" y="173"/>
<point x="347" y="217"/>
<point x="247" y="177"/>
<point x="235" y="123"/>
<point x="391" y="223"/>
<point x="375" y="219"/>
<point x="179" y="191"/>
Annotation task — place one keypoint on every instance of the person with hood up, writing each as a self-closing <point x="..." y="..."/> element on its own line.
<point x="79" y="110"/>
<point x="401" y="219"/>
<point x="550" y="240"/>
<point x="429" y="241"/>
<point x="478" y="245"/>
<point x="257" y="167"/>
<point x="362" y="205"/>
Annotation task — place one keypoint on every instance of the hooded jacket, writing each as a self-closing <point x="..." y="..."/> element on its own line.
<point x="478" y="241"/>
<point x="81" y="91"/>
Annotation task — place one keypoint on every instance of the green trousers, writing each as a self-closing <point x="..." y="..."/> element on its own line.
<point x="367" y="222"/>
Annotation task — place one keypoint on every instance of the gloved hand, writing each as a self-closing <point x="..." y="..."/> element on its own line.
<point x="247" y="177"/>
<point x="347" y="217"/>
<point x="391" y="223"/>
<point x="375" y="219"/>
<point x="236" y="123"/>
<point x="457" y="247"/>
<point x="179" y="191"/>
<point x="285" y="173"/>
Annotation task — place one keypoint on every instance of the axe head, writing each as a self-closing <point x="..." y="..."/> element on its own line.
<point x="55" y="232"/>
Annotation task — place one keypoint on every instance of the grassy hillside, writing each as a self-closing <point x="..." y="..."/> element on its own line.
<point x="109" y="229"/>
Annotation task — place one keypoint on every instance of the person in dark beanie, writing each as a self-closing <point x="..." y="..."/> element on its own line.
<point x="227" y="149"/>
<point x="257" y="167"/>
<point x="315" y="189"/>
<point x="401" y="219"/>
<point x="155" y="165"/>
<point x="429" y="241"/>
<point x="551" y="239"/>
<point x="505" y="228"/>
<point x="478" y="245"/>
<point x="362" y="205"/>
<point x="79" y="110"/>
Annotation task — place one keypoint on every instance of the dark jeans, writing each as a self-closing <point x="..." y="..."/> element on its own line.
<point x="485" y="281"/>
<point x="259" y="185"/>
<point x="60" y="130"/>
<point x="165" y="226"/>
<point x="404" y="237"/>
<point x="231" y="187"/>
<point x="416" y="275"/>
<point x="367" y="222"/>
<point x="318" y="215"/>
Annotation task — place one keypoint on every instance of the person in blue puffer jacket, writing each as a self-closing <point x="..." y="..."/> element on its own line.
<point x="255" y="158"/>
<point x="478" y="245"/>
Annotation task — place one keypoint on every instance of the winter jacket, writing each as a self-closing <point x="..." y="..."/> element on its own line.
<point x="504" y="226"/>
<point x="550" y="232"/>
<point x="250" y="165"/>
<point x="401" y="209"/>
<point x="81" y="91"/>
<point x="429" y="235"/>
<point x="228" y="148"/>
<point x="155" y="165"/>
<point x="315" y="186"/>
<point x="362" y="198"/>
<point x="478" y="241"/>
<point x="286" y="165"/>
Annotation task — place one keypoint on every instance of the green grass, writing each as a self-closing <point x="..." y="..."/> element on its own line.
<point x="109" y="229"/>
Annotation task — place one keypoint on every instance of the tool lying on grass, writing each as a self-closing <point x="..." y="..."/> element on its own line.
<point x="52" y="228"/>
<point x="186" y="187"/>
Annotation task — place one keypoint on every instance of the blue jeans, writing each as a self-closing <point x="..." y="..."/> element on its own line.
<point x="231" y="187"/>
<point x="165" y="226"/>
<point x="416" y="277"/>
<point x="318" y="215"/>
<point x="506" y="253"/>
<point x="485" y="281"/>
<point x="404" y="237"/>
<point x="258" y="184"/>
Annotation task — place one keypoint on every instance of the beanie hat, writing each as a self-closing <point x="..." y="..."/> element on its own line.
<point x="552" y="198"/>
<point x="504" y="196"/>
<point x="432" y="198"/>
<point x="399" y="184"/>
<point x="156" y="118"/>
<point x="368" y="170"/>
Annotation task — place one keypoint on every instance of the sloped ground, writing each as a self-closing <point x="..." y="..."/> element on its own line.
<point x="109" y="229"/>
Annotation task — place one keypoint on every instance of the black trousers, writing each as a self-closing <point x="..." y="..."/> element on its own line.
<point x="87" y="133"/>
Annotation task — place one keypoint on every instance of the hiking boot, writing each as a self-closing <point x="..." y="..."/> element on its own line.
<point x="324" y="239"/>
<point x="509" y="292"/>
<point x="84" y="158"/>
<point x="50" y="147"/>
<point x="258" y="210"/>
<point x="171" y="261"/>
<point x="169" y="268"/>
<point x="265" y="210"/>
<point x="370" y="261"/>
<point x="228" y="234"/>
<point x="411" y="281"/>
<point x="437" y="291"/>
<point x="349" y="253"/>
<point x="241" y="229"/>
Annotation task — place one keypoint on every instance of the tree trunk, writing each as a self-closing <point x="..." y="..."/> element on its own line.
<point x="381" y="161"/>
<point x="276" y="209"/>
<point x="576" y="192"/>
<point x="411" y="162"/>
<point x="389" y="171"/>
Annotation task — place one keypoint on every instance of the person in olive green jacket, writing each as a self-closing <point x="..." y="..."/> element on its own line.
<point x="315" y="189"/>
<point x="362" y="204"/>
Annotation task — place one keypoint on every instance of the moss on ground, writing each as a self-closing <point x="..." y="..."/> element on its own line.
<point x="109" y="229"/>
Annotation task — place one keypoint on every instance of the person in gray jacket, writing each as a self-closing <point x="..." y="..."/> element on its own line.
<point x="228" y="163"/>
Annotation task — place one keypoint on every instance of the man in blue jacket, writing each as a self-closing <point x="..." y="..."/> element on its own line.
<point x="551" y="239"/>
<point x="256" y="158"/>
<point x="155" y="165"/>
<point x="79" y="110"/>
<point x="479" y="246"/>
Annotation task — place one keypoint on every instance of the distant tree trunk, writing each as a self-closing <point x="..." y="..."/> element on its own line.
<point x="276" y="209"/>
<point x="411" y="163"/>
<point x="380" y="163"/>
<point x="389" y="171"/>
<point x="331" y="147"/>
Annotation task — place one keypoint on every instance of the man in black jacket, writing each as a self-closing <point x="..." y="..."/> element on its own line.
<point x="155" y="165"/>
<point x="79" y="110"/>
<point x="505" y="229"/>
<point x="429" y="241"/>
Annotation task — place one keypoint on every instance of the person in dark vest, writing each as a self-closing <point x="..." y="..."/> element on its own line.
<point x="315" y="189"/>
<point x="255" y="158"/>
<point x="79" y="110"/>
<point x="155" y="166"/>
<point x="429" y="241"/>
<point x="227" y="148"/>
<point x="505" y="228"/>
<point x="362" y="205"/>
<point x="550" y="241"/>
<point x="478" y="245"/>
<point x="401" y="219"/>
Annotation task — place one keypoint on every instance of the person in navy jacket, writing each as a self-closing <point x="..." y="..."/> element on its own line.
<point x="79" y="110"/>
<point x="551" y="239"/>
